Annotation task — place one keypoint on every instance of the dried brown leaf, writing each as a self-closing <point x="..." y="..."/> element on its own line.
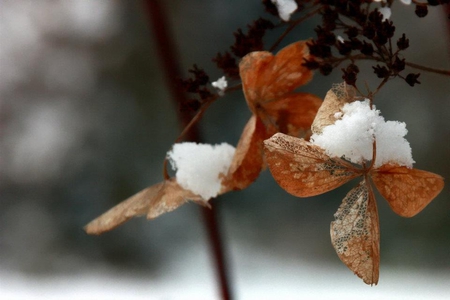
<point x="153" y="201"/>
<point x="355" y="233"/>
<point x="171" y="197"/>
<point x="136" y="205"/>
<point x="303" y="169"/>
<point x="334" y="100"/>
<point x="293" y="114"/>
<point x="407" y="191"/>
<point x="248" y="158"/>
<point x="266" y="77"/>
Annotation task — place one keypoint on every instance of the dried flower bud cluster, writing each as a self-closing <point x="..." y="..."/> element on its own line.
<point x="244" y="43"/>
<point x="368" y="35"/>
<point x="196" y="85"/>
<point x="349" y="31"/>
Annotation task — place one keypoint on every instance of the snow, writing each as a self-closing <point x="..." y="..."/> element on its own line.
<point x="285" y="8"/>
<point x="352" y="137"/>
<point x="386" y="12"/>
<point x="256" y="275"/>
<point x="220" y="84"/>
<point x="198" y="166"/>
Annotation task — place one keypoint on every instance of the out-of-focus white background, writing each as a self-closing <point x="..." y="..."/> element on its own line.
<point x="86" y="120"/>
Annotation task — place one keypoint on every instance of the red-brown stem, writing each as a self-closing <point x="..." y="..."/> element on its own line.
<point x="169" y="59"/>
<point x="447" y="13"/>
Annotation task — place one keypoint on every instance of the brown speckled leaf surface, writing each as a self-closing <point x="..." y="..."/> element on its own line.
<point x="303" y="169"/>
<point x="407" y="191"/>
<point x="355" y="233"/>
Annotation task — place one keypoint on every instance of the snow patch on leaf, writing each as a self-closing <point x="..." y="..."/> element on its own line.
<point x="199" y="166"/>
<point x="352" y="137"/>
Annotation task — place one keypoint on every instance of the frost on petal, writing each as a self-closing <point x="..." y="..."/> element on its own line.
<point x="285" y="8"/>
<point x="200" y="167"/>
<point x="386" y="12"/>
<point x="220" y="84"/>
<point x="352" y="137"/>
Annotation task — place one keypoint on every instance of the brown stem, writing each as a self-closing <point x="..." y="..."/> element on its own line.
<point x="427" y="69"/>
<point x="169" y="59"/>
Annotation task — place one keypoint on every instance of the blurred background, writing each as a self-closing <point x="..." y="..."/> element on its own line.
<point x="86" y="119"/>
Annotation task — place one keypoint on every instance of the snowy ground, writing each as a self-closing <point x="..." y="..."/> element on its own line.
<point x="260" y="277"/>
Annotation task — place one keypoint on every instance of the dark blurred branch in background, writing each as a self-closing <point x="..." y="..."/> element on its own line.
<point x="167" y="54"/>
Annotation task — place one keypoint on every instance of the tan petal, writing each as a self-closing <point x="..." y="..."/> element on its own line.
<point x="248" y="158"/>
<point x="355" y="233"/>
<point x="303" y="169"/>
<point x="171" y="197"/>
<point x="407" y="191"/>
<point x="266" y="77"/>
<point x="136" y="205"/>
<point x="155" y="200"/>
<point x="334" y="100"/>
<point x="293" y="114"/>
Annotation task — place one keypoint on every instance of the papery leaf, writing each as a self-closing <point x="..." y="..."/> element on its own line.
<point x="153" y="201"/>
<point x="407" y="191"/>
<point x="171" y="197"/>
<point x="334" y="100"/>
<point x="293" y="114"/>
<point x="303" y="169"/>
<point x="136" y="205"/>
<point x="248" y="158"/>
<point x="355" y="233"/>
<point x="266" y="77"/>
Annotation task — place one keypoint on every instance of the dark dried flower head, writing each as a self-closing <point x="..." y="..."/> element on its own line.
<point x="270" y="7"/>
<point x="351" y="32"/>
<point x="344" y="48"/>
<point x="388" y="29"/>
<point x="311" y="64"/>
<point x="319" y="50"/>
<point x="421" y="10"/>
<point x="325" y="36"/>
<point x="376" y="18"/>
<point x="227" y="63"/>
<point x="403" y="43"/>
<point x="433" y="2"/>
<point x="398" y="65"/>
<point x="381" y="71"/>
<point x="350" y="74"/>
<point x="200" y="75"/>
<point x="411" y="79"/>
<point x="369" y="31"/>
<point x="329" y="17"/>
<point x="367" y="49"/>
<point x="355" y="44"/>
<point x="325" y="69"/>
<point x="252" y="41"/>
